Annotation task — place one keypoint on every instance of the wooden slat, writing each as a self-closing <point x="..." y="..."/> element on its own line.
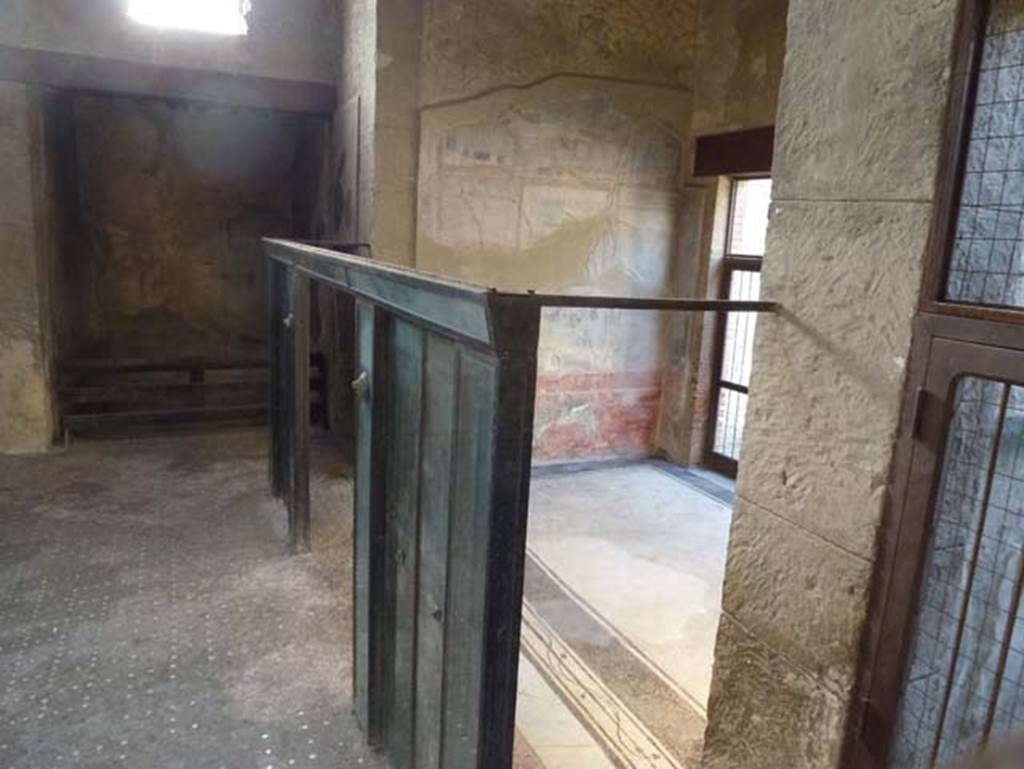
<point x="472" y="486"/>
<point x="404" y="434"/>
<point x="440" y="396"/>
<point x="120" y="420"/>
<point x="275" y="364"/>
<point x="299" y="531"/>
<point x="372" y="604"/>
<point x="134" y="393"/>
<point x="147" y="365"/>
<point x="667" y="304"/>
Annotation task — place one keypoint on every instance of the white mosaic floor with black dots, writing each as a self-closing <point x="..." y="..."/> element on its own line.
<point x="150" y="616"/>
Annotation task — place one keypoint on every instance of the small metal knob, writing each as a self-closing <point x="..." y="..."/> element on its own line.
<point x="288" y="321"/>
<point x="361" y="385"/>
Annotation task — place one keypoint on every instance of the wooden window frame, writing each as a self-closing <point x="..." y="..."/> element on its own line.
<point x="904" y="536"/>
<point x="731" y="263"/>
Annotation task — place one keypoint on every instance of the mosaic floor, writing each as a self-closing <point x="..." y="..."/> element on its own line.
<point x="150" y="617"/>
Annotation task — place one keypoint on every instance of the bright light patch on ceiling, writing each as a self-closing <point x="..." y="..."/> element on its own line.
<point x="219" y="17"/>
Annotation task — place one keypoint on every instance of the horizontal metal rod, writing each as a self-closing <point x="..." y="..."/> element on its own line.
<point x="335" y="245"/>
<point x="669" y="304"/>
<point x="737" y="388"/>
<point x="338" y="268"/>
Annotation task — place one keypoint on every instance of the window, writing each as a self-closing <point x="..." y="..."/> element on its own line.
<point x="221" y="17"/>
<point x="987" y="263"/>
<point x="748" y="228"/>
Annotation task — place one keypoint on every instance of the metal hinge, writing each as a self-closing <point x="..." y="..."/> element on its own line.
<point x="920" y="404"/>
<point x="928" y="409"/>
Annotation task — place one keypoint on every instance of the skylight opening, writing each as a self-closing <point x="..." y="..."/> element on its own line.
<point x="215" y="17"/>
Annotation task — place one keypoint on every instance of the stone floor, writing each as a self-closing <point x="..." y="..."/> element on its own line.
<point x="623" y="597"/>
<point x="150" y="616"/>
<point x="646" y="550"/>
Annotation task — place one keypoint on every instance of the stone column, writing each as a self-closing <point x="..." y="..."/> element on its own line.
<point x="859" y="128"/>
<point x="26" y="404"/>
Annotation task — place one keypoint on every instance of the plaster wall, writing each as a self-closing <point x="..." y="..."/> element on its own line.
<point x="348" y="202"/>
<point x="571" y="186"/>
<point x="741" y="45"/>
<point x="376" y="127"/>
<point x="551" y="145"/>
<point x="173" y="199"/>
<point x="27" y="238"/>
<point x="740" y="49"/>
<point x="354" y="150"/>
<point x="288" y="39"/>
<point x="858" y="134"/>
<point x="396" y="126"/>
<point x="471" y="47"/>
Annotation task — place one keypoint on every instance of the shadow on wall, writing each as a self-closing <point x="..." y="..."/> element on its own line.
<point x="571" y="186"/>
<point x="172" y="201"/>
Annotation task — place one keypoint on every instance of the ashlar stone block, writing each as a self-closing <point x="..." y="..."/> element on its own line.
<point x="862" y="100"/>
<point x="829" y="369"/>
<point x="766" y="714"/>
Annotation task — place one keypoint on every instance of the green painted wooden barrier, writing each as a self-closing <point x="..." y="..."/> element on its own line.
<point x="444" y="419"/>
<point x="444" y="426"/>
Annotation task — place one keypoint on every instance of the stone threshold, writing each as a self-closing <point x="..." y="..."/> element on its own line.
<point x="704" y="481"/>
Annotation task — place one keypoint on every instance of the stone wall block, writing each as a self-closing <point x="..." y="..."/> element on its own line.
<point x="19" y="272"/>
<point x="15" y="160"/>
<point x="829" y="369"/>
<point x="864" y="92"/>
<point x="764" y="713"/>
<point x="797" y="594"/>
<point x="26" y="417"/>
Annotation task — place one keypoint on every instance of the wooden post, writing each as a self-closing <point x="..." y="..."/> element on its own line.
<point x="299" y="518"/>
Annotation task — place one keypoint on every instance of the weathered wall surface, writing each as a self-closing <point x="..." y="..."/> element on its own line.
<point x="741" y="46"/>
<point x="471" y="47"/>
<point x="399" y="35"/>
<point x="863" y="96"/>
<point x="686" y="379"/>
<point x="567" y="187"/>
<point x="354" y="151"/>
<point x="346" y="208"/>
<point x="551" y="149"/>
<point x="288" y="39"/>
<point x="377" y="126"/>
<point x="173" y="201"/>
<point x="27" y="238"/>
